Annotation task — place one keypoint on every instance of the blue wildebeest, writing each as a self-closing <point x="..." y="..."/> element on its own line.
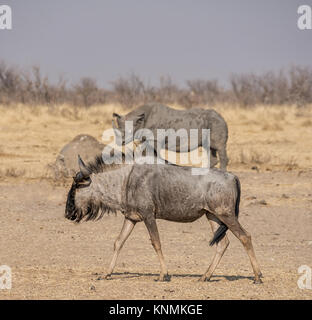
<point x="146" y="192"/>
<point x="155" y="116"/>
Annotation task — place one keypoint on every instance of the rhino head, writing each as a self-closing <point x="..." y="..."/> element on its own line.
<point x="125" y="127"/>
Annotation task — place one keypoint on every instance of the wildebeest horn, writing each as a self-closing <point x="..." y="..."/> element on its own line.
<point x="83" y="169"/>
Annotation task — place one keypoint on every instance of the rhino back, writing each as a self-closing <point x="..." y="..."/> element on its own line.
<point x="84" y="145"/>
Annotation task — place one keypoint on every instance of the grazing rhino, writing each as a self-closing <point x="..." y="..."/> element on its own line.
<point x="155" y="116"/>
<point x="66" y="161"/>
<point x="146" y="192"/>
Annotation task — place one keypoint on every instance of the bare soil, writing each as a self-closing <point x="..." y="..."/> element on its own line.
<point x="53" y="258"/>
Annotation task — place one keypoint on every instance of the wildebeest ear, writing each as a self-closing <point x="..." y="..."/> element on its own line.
<point x="116" y="115"/>
<point x="140" y="118"/>
<point x="83" y="169"/>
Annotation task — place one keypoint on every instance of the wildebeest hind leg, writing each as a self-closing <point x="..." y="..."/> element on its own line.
<point x="245" y="238"/>
<point x="127" y="228"/>
<point x="221" y="246"/>
<point x="153" y="232"/>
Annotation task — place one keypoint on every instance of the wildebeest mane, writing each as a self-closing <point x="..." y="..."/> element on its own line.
<point x="101" y="162"/>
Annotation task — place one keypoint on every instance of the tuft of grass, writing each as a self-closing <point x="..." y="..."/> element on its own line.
<point x="307" y="123"/>
<point x="252" y="156"/>
<point x="12" y="173"/>
<point x="291" y="164"/>
<point x="272" y="127"/>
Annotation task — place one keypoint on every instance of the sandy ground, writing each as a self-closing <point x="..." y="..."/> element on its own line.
<point x="52" y="258"/>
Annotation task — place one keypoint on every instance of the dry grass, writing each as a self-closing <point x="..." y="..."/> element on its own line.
<point x="268" y="137"/>
<point x="272" y="138"/>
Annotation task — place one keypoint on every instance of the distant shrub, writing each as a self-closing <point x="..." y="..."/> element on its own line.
<point x="291" y="86"/>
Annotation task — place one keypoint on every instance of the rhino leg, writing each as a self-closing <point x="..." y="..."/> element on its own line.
<point x="213" y="158"/>
<point x="224" y="160"/>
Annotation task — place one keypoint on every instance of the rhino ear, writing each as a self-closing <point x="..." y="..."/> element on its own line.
<point x="83" y="169"/>
<point x="116" y="119"/>
<point x="116" y="115"/>
<point x="140" y="118"/>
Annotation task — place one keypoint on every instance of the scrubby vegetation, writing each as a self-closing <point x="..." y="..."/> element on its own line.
<point x="286" y="87"/>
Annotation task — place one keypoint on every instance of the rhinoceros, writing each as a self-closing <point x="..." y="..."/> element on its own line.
<point x="66" y="161"/>
<point x="155" y="116"/>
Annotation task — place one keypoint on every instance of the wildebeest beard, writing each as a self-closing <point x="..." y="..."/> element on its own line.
<point x="92" y="211"/>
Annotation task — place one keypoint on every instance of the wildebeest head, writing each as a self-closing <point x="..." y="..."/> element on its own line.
<point x="84" y="197"/>
<point x="125" y="127"/>
<point x="82" y="180"/>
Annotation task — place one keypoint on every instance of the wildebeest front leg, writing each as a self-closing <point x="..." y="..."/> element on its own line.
<point x="153" y="232"/>
<point x="127" y="227"/>
<point x="221" y="246"/>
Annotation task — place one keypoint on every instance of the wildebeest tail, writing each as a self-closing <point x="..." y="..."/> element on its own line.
<point x="221" y="231"/>
<point x="219" y="234"/>
<point x="237" y="197"/>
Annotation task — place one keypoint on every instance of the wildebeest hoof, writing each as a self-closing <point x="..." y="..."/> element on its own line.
<point x="258" y="281"/>
<point x="164" y="278"/>
<point x="167" y="278"/>
<point x="204" y="279"/>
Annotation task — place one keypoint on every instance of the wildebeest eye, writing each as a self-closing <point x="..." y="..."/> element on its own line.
<point x="81" y="181"/>
<point x="85" y="183"/>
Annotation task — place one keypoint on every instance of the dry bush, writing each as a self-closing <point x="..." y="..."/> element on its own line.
<point x="167" y="91"/>
<point x="129" y="91"/>
<point x="86" y="93"/>
<point x="291" y="87"/>
<point x="204" y="92"/>
<point x="286" y="87"/>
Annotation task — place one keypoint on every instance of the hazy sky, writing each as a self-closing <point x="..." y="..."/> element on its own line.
<point x="186" y="39"/>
